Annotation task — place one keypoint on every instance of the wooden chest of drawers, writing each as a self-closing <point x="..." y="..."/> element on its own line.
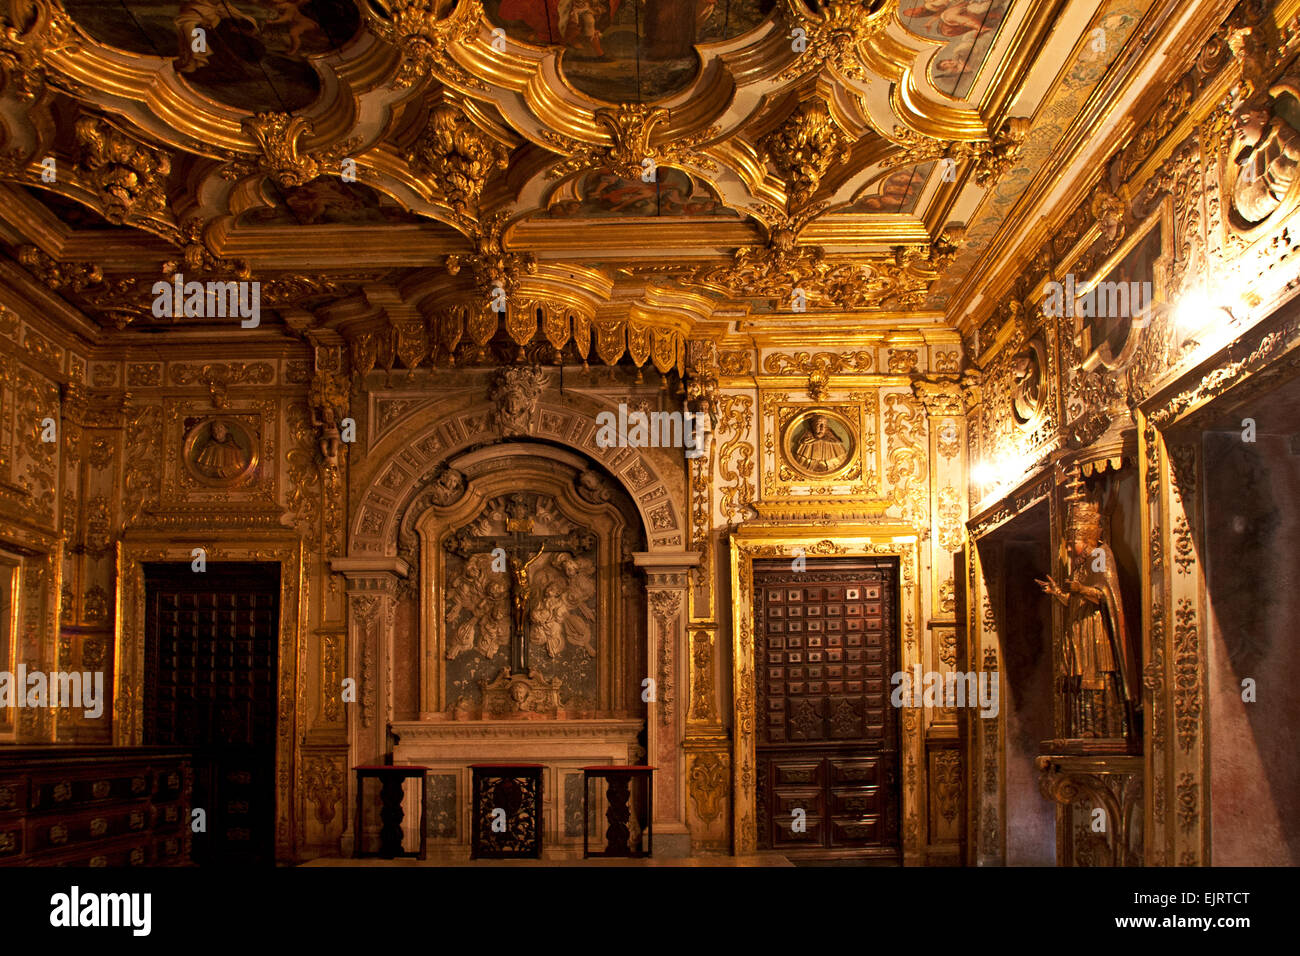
<point x="86" y="806"/>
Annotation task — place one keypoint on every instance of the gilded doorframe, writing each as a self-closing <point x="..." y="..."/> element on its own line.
<point x="128" y="642"/>
<point x="749" y="542"/>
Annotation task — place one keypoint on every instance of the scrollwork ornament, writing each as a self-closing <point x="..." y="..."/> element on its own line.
<point x="630" y="128"/>
<point x="29" y="32"/>
<point x="836" y="34"/>
<point x="129" y="178"/>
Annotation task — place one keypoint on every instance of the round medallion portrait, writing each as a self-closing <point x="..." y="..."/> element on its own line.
<point x="818" y="443"/>
<point x="220" y="452"/>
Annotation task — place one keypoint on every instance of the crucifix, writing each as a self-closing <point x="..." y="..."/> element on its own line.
<point x="514" y="553"/>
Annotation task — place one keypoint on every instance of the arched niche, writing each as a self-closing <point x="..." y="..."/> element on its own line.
<point x="406" y="452"/>
<point x="565" y="495"/>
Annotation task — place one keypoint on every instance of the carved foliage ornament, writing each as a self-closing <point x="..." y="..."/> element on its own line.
<point x="836" y="31"/>
<point x="28" y="33"/>
<point x="278" y="134"/>
<point x="819" y="367"/>
<point x="490" y="264"/>
<point x="776" y="270"/>
<point x="803" y="149"/>
<point x="424" y="31"/>
<point x="129" y="178"/>
<point x="457" y="157"/>
<point x="630" y="127"/>
<point x="992" y="157"/>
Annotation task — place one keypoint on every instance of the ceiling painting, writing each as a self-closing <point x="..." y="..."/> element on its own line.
<point x="325" y="201"/>
<point x="968" y="28"/>
<point x="604" y="195"/>
<point x="897" y="194"/>
<point x="256" y="50"/>
<point x="627" y="51"/>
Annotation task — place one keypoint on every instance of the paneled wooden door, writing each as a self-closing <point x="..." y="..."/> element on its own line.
<point x="211" y="642"/>
<point x="827" y="738"/>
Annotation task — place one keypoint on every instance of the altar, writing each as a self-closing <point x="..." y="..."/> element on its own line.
<point x="563" y="747"/>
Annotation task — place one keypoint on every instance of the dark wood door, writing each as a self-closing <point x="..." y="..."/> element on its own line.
<point x="211" y="639"/>
<point x="828" y="736"/>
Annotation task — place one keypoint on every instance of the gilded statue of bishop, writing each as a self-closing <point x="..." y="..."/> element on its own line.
<point x="1100" y="689"/>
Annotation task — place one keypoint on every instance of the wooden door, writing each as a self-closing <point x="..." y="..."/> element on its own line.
<point x="828" y="737"/>
<point x="211" y="643"/>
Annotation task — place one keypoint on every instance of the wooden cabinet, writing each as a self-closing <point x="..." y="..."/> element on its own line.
<point x="84" y="806"/>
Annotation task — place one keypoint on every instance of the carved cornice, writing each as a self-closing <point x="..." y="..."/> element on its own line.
<point x="775" y="271"/>
<point x="73" y="276"/>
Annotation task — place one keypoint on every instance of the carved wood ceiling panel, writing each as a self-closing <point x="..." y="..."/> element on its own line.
<point x="362" y="158"/>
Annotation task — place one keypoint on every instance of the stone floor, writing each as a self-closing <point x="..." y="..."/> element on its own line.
<point x="561" y="858"/>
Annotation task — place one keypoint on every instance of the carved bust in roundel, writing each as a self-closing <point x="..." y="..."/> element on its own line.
<point x="220" y="452"/>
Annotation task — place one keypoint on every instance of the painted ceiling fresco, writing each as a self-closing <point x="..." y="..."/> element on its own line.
<point x="1080" y="74"/>
<point x="325" y="201"/>
<point x="627" y="50"/>
<point x="604" y="195"/>
<point x="257" y="50"/>
<point x="897" y="194"/>
<point x="968" y="26"/>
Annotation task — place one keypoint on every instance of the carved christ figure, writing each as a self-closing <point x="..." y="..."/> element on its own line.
<point x="520" y="592"/>
<point x="1100" y="690"/>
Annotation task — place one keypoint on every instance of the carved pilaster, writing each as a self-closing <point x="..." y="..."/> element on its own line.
<point x="667" y="586"/>
<point x="372" y="606"/>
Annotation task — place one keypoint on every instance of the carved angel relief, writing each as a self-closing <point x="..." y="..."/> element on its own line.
<point x="1264" y="154"/>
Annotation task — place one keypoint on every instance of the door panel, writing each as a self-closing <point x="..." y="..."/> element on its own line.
<point x="828" y="740"/>
<point x="211" y="642"/>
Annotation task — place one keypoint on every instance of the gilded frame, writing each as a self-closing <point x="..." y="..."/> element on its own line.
<point x="749" y="542"/>
<point x="1163" y="217"/>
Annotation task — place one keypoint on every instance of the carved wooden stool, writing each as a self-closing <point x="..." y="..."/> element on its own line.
<point x="623" y="786"/>
<point x="390" y="777"/>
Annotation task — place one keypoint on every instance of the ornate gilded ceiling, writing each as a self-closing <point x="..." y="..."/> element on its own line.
<point x="677" y="165"/>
